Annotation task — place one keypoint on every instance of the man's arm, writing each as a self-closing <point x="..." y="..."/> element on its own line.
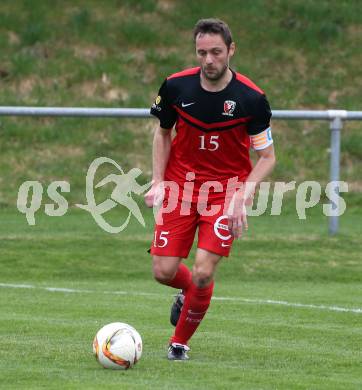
<point x="237" y="218"/>
<point x="160" y="155"/>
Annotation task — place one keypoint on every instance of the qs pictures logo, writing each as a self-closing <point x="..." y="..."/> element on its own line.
<point x="30" y="196"/>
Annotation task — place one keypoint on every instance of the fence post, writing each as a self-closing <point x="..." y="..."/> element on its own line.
<point x="336" y="126"/>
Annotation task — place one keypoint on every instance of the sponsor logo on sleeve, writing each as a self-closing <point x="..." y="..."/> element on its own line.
<point x="155" y="105"/>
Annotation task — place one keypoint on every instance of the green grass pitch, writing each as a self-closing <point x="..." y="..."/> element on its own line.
<point x="255" y="336"/>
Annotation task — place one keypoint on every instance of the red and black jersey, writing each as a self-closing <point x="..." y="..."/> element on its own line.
<point x="213" y="128"/>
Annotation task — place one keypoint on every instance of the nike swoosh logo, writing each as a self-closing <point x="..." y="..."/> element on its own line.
<point x="224" y="245"/>
<point x="187" y="104"/>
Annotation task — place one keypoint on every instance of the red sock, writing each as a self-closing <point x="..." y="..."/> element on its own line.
<point x="182" y="278"/>
<point x="197" y="301"/>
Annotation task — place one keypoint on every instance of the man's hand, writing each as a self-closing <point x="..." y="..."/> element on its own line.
<point x="237" y="217"/>
<point x="154" y="196"/>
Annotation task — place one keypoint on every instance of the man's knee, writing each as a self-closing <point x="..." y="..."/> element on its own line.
<point x="163" y="276"/>
<point x="202" y="276"/>
<point x="162" y="271"/>
<point x="204" y="267"/>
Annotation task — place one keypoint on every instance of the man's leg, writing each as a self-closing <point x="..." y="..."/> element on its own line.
<point x="198" y="296"/>
<point x="171" y="271"/>
<point x="172" y="242"/>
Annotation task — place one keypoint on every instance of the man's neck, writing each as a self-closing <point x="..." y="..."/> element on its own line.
<point x="216" y="85"/>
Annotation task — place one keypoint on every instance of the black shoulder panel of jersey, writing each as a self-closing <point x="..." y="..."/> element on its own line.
<point x="163" y="108"/>
<point x="257" y="105"/>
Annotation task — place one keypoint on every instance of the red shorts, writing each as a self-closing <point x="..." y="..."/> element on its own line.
<point x="174" y="235"/>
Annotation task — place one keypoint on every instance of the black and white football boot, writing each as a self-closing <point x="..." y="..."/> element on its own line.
<point x="177" y="352"/>
<point x="177" y="307"/>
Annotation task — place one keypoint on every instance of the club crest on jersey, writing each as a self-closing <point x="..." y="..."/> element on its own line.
<point x="229" y="107"/>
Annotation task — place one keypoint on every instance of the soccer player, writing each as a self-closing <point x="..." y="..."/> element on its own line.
<point x="218" y="114"/>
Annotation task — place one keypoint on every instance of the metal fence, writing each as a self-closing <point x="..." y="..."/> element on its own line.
<point x="335" y="118"/>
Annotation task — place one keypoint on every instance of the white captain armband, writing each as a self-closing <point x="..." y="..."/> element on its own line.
<point x="262" y="140"/>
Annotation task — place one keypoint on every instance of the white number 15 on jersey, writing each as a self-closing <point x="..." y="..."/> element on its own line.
<point x="210" y="144"/>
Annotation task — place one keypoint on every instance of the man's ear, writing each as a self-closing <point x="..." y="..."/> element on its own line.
<point x="232" y="49"/>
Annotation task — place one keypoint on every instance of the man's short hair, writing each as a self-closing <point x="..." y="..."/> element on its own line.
<point x="213" y="26"/>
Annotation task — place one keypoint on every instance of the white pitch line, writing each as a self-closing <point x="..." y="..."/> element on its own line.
<point x="232" y="299"/>
<point x="16" y="285"/>
<point x="292" y="304"/>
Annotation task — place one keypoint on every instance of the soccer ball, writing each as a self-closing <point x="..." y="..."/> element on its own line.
<point x="117" y="346"/>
